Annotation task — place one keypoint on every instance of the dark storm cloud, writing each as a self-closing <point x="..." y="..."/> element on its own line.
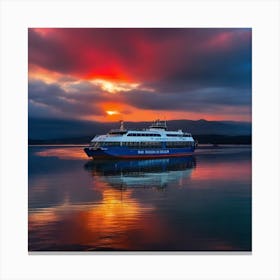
<point x="49" y="100"/>
<point x="192" y="99"/>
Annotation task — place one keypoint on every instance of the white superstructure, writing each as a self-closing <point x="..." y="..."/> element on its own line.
<point x="156" y="133"/>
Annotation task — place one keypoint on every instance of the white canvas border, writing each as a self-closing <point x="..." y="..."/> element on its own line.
<point x="262" y="16"/>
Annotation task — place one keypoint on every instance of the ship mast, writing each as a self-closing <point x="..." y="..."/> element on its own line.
<point x="122" y="125"/>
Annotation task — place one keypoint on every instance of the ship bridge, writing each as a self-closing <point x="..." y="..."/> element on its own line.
<point x="158" y="125"/>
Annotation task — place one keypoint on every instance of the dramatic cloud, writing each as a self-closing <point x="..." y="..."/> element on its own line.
<point x="140" y="73"/>
<point x="198" y="99"/>
<point x="69" y="100"/>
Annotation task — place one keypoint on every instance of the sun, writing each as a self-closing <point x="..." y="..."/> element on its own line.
<point x="111" y="113"/>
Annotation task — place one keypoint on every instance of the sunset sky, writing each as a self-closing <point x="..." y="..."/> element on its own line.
<point x="139" y="74"/>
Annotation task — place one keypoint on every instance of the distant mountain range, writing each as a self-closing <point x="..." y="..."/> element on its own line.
<point x="49" y="130"/>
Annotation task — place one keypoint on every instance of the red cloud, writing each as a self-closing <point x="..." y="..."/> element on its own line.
<point x="125" y="54"/>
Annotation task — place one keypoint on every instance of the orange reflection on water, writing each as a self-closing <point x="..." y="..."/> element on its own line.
<point x="110" y="220"/>
<point x="228" y="171"/>
<point x="41" y="218"/>
<point x="102" y="225"/>
<point x="73" y="154"/>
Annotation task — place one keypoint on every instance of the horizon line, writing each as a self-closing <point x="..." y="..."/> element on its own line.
<point x="131" y="121"/>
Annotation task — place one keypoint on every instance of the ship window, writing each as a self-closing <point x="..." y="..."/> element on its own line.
<point x="109" y="144"/>
<point x="144" y="134"/>
<point x="143" y="144"/>
<point x="132" y="144"/>
<point x="174" y="135"/>
<point x="150" y="144"/>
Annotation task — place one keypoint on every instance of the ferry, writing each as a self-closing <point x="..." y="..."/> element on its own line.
<point x="153" y="142"/>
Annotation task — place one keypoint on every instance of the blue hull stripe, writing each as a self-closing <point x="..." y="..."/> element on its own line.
<point x="121" y="152"/>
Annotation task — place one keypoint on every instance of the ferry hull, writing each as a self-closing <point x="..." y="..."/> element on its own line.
<point x="137" y="153"/>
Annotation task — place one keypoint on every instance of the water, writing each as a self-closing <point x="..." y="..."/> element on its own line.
<point x="200" y="203"/>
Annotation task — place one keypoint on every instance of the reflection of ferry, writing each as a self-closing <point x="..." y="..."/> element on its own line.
<point x="142" y="173"/>
<point x="154" y="142"/>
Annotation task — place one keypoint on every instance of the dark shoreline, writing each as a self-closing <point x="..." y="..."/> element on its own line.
<point x="202" y="139"/>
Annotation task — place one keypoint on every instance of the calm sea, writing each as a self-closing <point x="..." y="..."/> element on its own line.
<point x="199" y="203"/>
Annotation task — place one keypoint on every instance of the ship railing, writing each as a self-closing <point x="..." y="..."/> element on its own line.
<point x="186" y="134"/>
